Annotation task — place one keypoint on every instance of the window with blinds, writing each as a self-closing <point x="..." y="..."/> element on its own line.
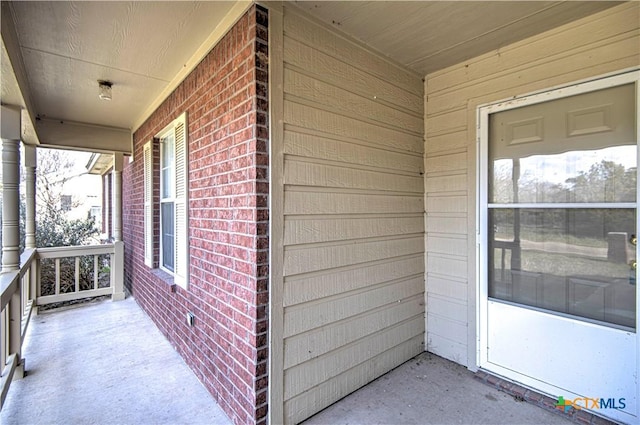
<point x="171" y="204"/>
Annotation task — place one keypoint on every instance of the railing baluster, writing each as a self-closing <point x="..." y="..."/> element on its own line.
<point x="34" y="278"/>
<point x="95" y="272"/>
<point x="57" y="261"/>
<point x="112" y="275"/>
<point x="77" y="277"/>
<point x="25" y="290"/>
<point x="4" y="340"/>
<point x="15" y="332"/>
<point x="38" y="278"/>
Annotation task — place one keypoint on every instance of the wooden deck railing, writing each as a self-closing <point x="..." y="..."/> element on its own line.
<point x="22" y="290"/>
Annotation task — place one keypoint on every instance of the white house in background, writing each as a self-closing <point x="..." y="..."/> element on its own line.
<point x="82" y="197"/>
<point x="80" y="192"/>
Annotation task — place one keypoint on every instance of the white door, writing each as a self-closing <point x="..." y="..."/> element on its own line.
<point x="557" y="259"/>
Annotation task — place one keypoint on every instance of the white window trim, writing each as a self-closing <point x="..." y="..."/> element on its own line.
<point x="180" y="199"/>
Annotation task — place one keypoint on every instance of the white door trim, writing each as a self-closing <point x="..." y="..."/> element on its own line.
<point x="483" y="113"/>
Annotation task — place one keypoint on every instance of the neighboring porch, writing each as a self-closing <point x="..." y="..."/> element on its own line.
<point x="107" y="362"/>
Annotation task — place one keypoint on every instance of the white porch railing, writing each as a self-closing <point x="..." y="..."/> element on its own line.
<point x="78" y="254"/>
<point x="17" y="301"/>
<point x="21" y="291"/>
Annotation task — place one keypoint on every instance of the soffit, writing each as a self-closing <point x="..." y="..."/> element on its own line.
<point x="426" y="36"/>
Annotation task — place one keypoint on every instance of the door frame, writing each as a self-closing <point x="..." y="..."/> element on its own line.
<point x="482" y="301"/>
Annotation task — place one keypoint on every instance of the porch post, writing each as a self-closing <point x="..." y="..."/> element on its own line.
<point x="118" y="259"/>
<point x="10" y="133"/>
<point x="30" y="190"/>
<point x="10" y="125"/>
<point x="116" y="193"/>
<point x="30" y="163"/>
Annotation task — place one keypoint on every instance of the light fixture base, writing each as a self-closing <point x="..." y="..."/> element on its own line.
<point x="104" y="89"/>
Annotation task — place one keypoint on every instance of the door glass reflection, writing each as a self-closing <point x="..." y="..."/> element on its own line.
<point x="575" y="261"/>
<point x="603" y="175"/>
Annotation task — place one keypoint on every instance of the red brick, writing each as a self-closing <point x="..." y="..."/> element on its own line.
<point x="533" y="396"/>
<point x="493" y="380"/>
<point x="597" y="420"/>
<point x="226" y="100"/>
<point x="582" y="417"/>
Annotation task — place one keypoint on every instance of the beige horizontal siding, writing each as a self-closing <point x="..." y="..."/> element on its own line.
<point x="362" y="154"/>
<point x="350" y="104"/>
<point x="307" y="375"/>
<point x="602" y="43"/>
<point x="447" y="243"/>
<point x="325" y="256"/>
<point x="308" y="345"/>
<point x="455" y="140"/>
<point x="301" y="318"/>
<point x="447" y="287"/>
<point x="309" y="402"/>
<point x="335" y="125"/>
<point x="447" y="204"/>
<point x="342" y="73"/>
<point x="446" y="185"/>
<point x="325" y="283"/>
<point x="305" y="230"/>
<point x="333" y="44"/>
<point x="353" y="291"/>
<point x="303" y="173"/>
<point x="313" y="200"/>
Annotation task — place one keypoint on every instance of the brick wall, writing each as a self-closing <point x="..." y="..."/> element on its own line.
<point x="226" y="102"/>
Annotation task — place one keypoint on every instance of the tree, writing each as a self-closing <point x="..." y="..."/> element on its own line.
<point x="53" y="227"/>
<point x="54" y="169"/>
<point x="605" y="181"/>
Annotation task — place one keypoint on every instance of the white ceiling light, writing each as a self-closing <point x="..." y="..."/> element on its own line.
<point x="104" y="92"/>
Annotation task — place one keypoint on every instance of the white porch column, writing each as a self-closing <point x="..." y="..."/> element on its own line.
<point x="10" y="129"/>
<point x="116" y="196"/>
<point x="117" y="274"/>
<point x="30" y="162"/>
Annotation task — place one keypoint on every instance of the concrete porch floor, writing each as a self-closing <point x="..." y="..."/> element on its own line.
<point x="431" y="390"/>
<point x="107" y="363"/>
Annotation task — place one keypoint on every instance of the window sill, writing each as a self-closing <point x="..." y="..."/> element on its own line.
<point x="166" y="278"/>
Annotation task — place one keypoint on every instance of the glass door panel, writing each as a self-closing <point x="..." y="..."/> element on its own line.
<point x="573" y="261"/>
<point x="561" y="218"/>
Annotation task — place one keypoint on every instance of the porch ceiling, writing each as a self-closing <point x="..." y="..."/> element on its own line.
<point x="61" y="50"/>
<point x="426" y="36"/>
<point x="53" y="53"/>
